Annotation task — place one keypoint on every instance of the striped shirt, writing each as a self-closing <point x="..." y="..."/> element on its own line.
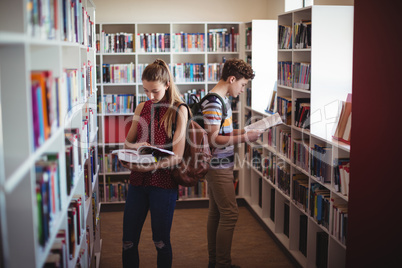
<point x="212" y="112"/>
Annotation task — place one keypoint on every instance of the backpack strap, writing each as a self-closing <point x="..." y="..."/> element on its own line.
<point x="224" y="110"/>
<point x="177" y="114"/>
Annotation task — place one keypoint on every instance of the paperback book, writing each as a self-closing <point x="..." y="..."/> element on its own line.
<point x="265" y="123"/>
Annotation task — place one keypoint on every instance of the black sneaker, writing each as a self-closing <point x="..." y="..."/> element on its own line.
<point x="211" y="265"/>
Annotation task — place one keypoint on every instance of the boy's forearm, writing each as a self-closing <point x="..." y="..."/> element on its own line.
<point x="223" y="141"/>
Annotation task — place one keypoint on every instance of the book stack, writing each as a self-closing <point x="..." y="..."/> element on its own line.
<point x="343" y="128"/>
<point x="58" y="252"/>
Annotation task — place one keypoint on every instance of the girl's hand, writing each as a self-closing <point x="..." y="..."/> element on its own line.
<point x="135" y="146"/>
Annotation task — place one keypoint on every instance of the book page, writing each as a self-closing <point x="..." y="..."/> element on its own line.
<point x="265" y="123"/>
<point x="132" y="156"/>
<point x="148" y="149"/>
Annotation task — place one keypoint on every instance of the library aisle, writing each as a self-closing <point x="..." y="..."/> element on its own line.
<point x="252" y="245"/>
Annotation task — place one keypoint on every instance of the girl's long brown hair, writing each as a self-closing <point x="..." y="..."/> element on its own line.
<point x="159" y="71"/>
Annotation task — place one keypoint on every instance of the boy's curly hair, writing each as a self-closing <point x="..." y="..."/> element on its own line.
<point x="237" y="68"/>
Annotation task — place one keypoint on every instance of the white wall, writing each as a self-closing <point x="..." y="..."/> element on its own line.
<point x="186" y="10"/>
<point x="193" y="10"/>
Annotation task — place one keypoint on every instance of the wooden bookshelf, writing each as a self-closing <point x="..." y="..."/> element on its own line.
<point x="27" y="170"/>
<point x="291" y="163"/>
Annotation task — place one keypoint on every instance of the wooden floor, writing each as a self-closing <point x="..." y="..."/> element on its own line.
<point x="252" y="246"/>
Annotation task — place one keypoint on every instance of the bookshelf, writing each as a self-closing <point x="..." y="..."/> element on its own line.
<point x="194" y="58"/>
<point x="295" y="164"/>
<point x="47" y="120"/>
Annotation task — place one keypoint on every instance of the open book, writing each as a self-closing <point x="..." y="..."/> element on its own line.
<point x="143" y="155"/>
<point x="265" y="123"/>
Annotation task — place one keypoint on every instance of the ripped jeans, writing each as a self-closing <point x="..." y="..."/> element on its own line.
<point x="161" y="203"/>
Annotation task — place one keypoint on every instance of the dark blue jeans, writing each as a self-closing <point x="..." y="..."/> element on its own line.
<point x="161" y="203"/>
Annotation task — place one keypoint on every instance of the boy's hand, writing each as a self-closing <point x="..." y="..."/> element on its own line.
<point x="253" y="135"/>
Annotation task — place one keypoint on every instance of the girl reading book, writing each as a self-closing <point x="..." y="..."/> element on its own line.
<point x="151" y="186"/>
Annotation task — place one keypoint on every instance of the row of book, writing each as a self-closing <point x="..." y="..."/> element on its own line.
<point x="301" y="153"/>
<point x="188" y="72"/>
<point x="300" y="194"/>
<point x="342" y="175"/>
<point x="53" y="98"/>
<point x="48" y="194"/>
<point x="118" y="73"/>
<point x="188" y="42"/>
<point x="339" y="220"/>
<point x="43" y="21"/>
<point x="285" y="142"/>
<point x="46" y="110"/>
<point x="249" y="34"/>
<point x="114" y="42"/>
<point x="74" y="156"/>
<point x="90" y="169"/>
<point x="344" y="125"/>
<point x="294" y="74"/>
<point x="153" y="42"/>
<point x="197" y="191"/>
<point x="302" y="113"/>
<point x="321" y="163"/>
<point x="302" y="34"/>
<point x="284" y="109"/>
<point x="113" y="191"/>
<point x="118" y="103"/>
<point x="221" y="40"/>
<point x="269" y="167"/>
<point x="283" y="174"/>
<point x="284" y="37"/>
<point x="112" y="163"/>
<point x="319" y="207"/>
<point x="215" y="71"/>
<point x="188" y="97"/>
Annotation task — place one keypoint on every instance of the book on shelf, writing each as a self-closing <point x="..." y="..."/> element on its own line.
<point x="265" y="123"/>
<point x="272" y="103"/>
<point x="144" y="154"/>
<point x="343" y="128"/>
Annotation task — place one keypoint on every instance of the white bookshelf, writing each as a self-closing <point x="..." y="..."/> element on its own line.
<point x="174" y="56"/>
<point x="330" y="56"/>
<point x="24" y="49"/>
